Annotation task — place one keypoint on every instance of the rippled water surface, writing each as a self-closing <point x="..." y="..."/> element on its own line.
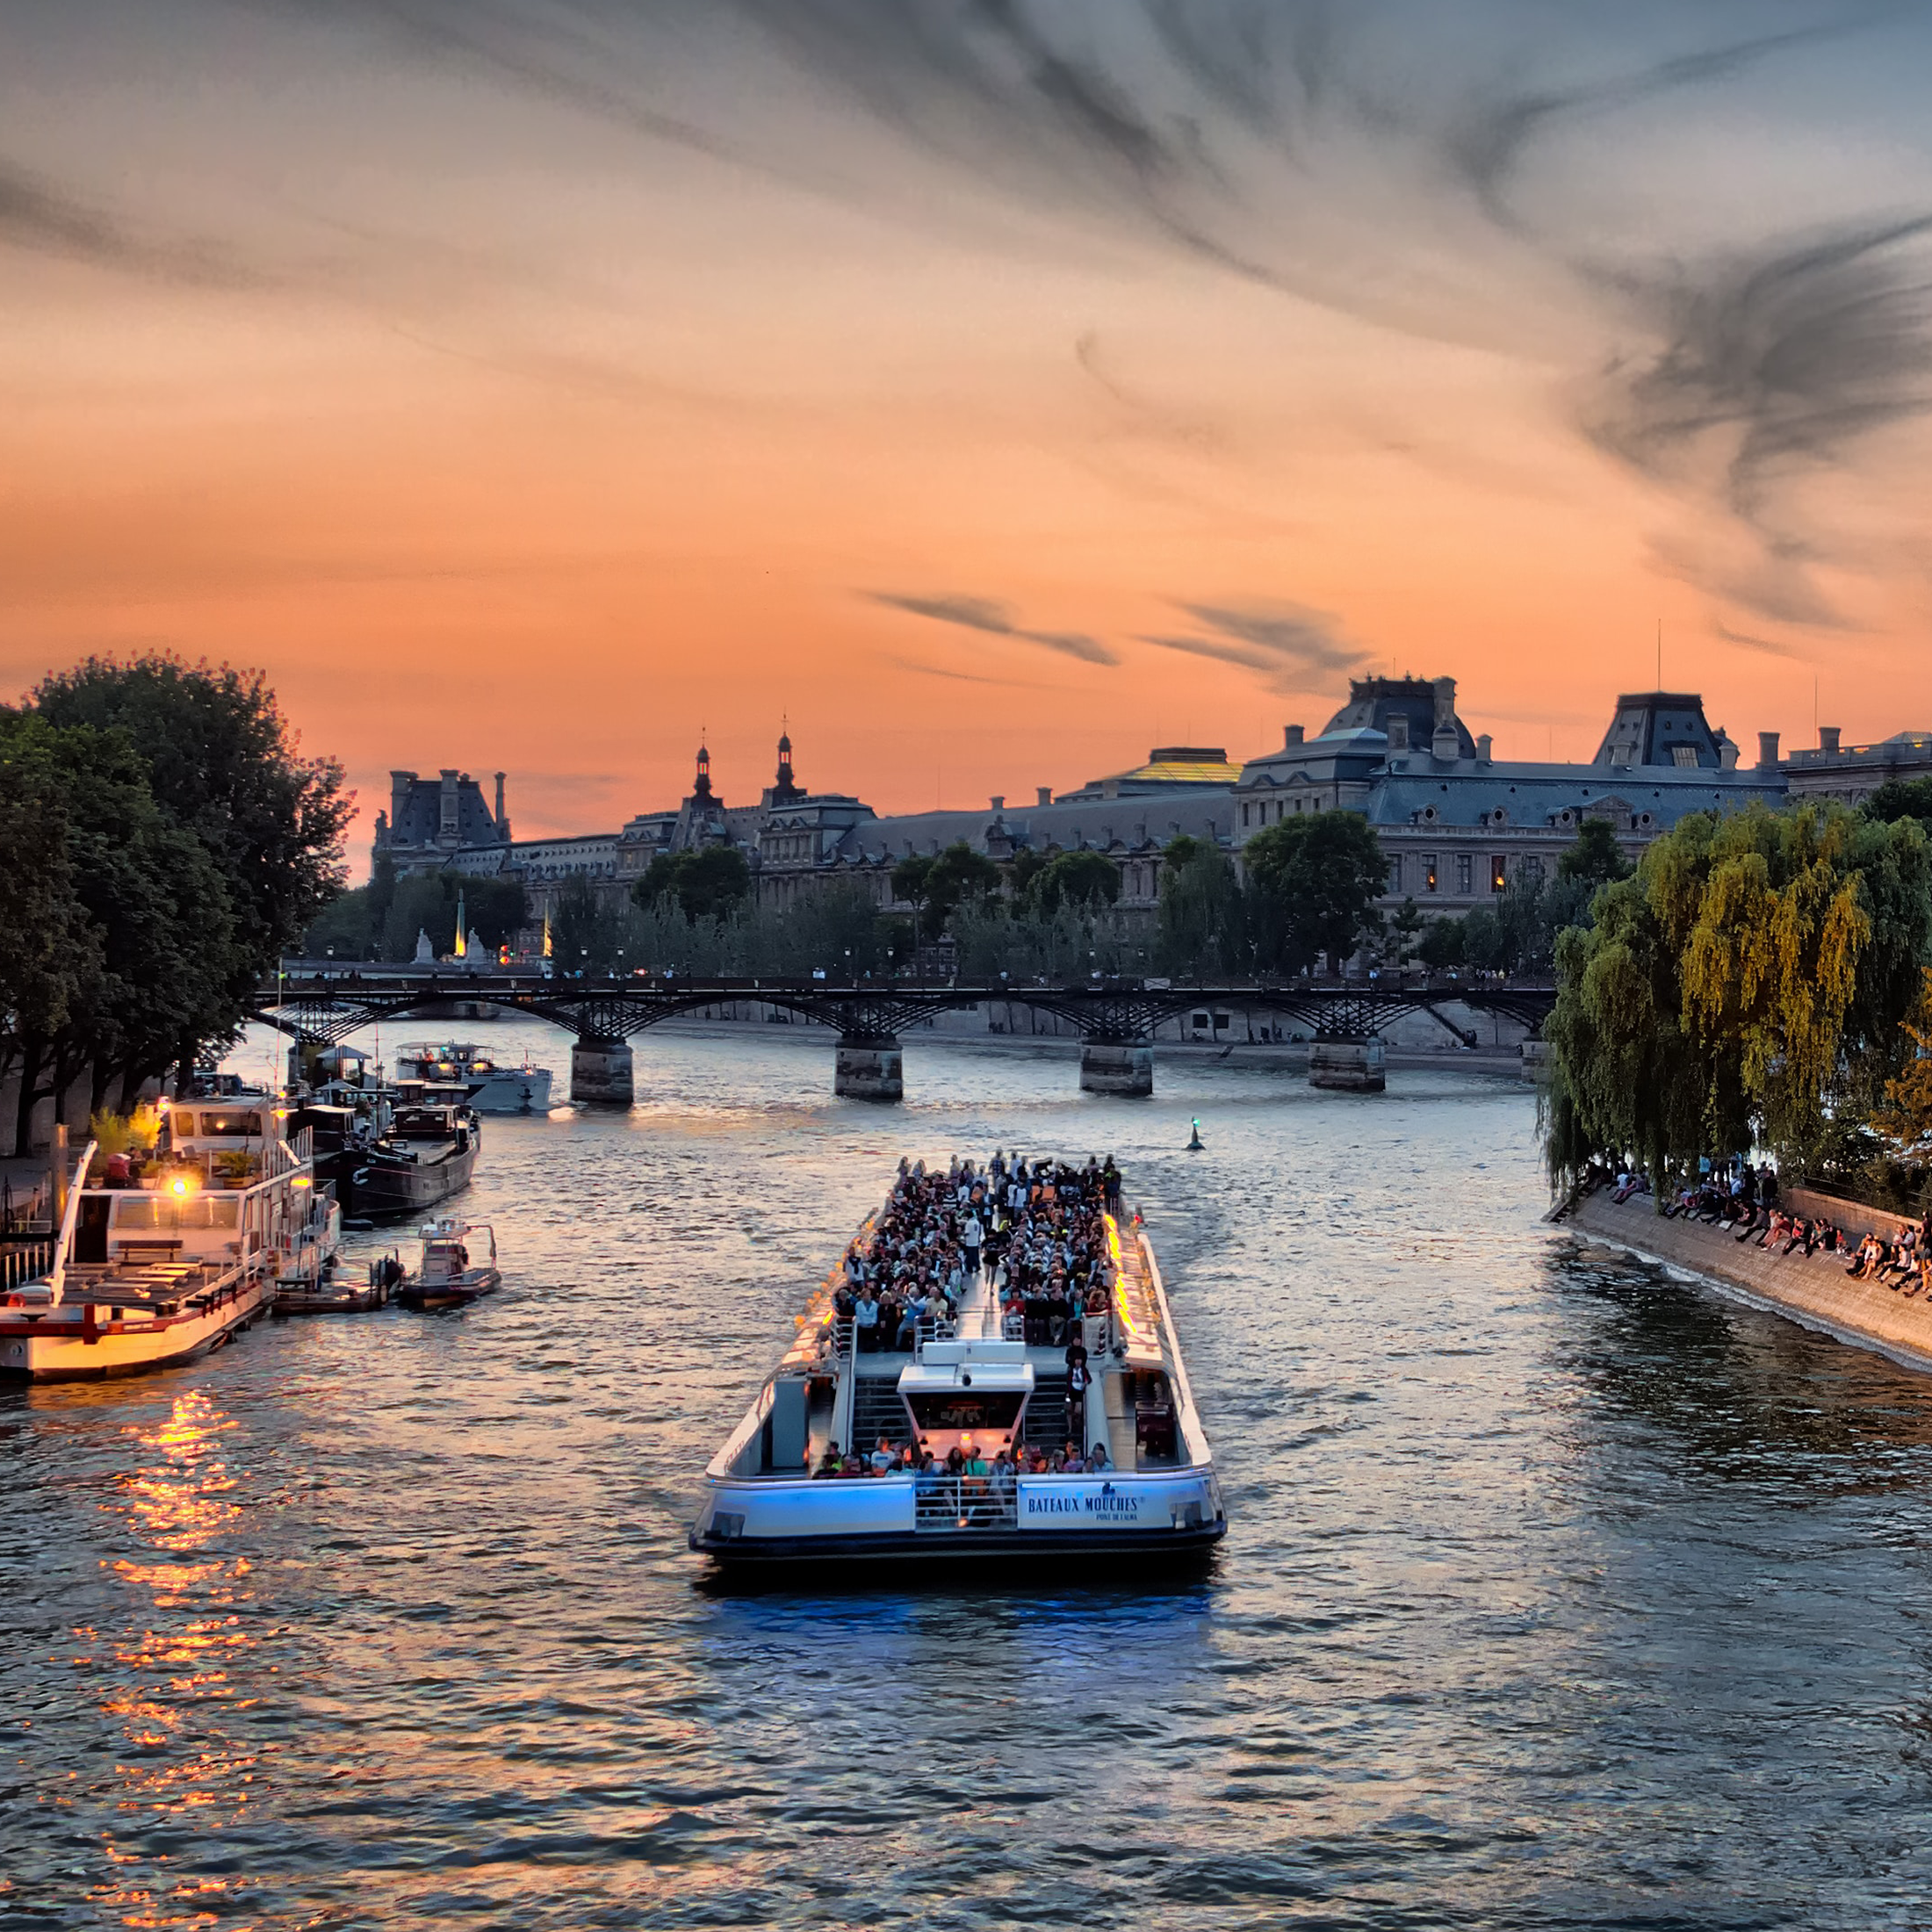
<point x="1557" y="1593"/>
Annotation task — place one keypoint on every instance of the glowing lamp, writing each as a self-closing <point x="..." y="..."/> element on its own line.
<point x="178" y="1186"/>
<point x="301" y="1180"/>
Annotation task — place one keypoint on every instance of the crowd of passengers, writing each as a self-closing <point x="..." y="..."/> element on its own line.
<point x="1741" y="1200"/>
<point x="1035" y="1229"/>
<point x="967" y="1465"/>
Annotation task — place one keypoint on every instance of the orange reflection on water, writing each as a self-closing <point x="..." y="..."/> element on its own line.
<point x="181" y="1502"/>
<point x="171" y="1671"/>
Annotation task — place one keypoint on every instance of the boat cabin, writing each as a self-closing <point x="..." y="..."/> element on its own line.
<point x="452" y="1249"/>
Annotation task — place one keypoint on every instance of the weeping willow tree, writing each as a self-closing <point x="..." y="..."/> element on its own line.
<point x="1745" y="989"/>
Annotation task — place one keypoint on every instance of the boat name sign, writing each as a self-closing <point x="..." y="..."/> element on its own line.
<point x="1061" y="1504"/>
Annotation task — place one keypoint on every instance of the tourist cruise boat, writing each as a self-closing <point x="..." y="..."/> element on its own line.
<point x="986" y="1385"/>
<point x="158" y="1261"/>
<point x="494" y="1088"/>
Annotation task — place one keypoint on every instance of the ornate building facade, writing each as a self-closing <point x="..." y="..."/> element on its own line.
<point x="1458" y="824"/>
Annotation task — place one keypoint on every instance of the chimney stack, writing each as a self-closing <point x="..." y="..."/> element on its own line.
<point x="1482" y="749"/>
<point x="1767" y="751"/>
<point x="500" y="777"/>
<point x="1445" y="743"/>
<point x="1292" y="736"/>
<point x="1044" y="795"/>
<point x="999" y="803"/>
<point x="1827" y="739"/>
<point x="1398" y="731"/>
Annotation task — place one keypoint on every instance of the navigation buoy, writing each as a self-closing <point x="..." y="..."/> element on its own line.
<point x="1194" y="1142"/>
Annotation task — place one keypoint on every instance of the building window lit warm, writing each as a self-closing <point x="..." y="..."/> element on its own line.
<point x="1497" y="880"/>
<point x="1429" y="871"/>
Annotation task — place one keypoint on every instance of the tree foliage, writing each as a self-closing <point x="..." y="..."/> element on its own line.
<point x="705" y="883"/>
<point x="1202" y="921"/>
<point x="936" y="885"/>
<point x="1089" y="879"/>
<point x="161" y="841"/>
<point x="1746" y="987"/>
<point x="1314" y="881"/>
<point x="222" y="762"/>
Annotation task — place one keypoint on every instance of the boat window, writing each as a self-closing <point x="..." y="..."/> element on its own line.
<point x="134" y="1213"/>
<point x="227" y="1126"/>
<point x="966" y="1408"/>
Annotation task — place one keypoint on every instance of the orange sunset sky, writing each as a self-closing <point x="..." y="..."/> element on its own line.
<point x="994" y="389"/>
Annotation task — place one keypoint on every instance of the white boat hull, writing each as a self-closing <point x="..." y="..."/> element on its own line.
<point x="514" y="1089"/>
<point x="86" y="1341"/>
<point x="1150" y="1513"/>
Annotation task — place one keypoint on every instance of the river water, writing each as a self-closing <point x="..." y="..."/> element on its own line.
<point x="1557" y="1594"/>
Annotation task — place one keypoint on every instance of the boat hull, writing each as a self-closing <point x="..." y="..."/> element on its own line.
<point x="512" y="1091"/>
<point x="60" y="1349"/>
<point x="1150" y="1513"/>
<point x="1017" y="1547"/>
<point x="379" y="1190"/>
<point x="450" y="1294"/>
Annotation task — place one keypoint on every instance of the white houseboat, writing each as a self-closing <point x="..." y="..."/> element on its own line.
<point x="160" y="1258"/>
<point x="992" y="1383"/>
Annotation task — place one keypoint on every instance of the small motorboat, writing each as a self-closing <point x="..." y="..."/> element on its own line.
<point x="454" y="1270"/>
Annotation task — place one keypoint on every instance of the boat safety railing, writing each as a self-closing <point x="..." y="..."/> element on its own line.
<point x="944" y="1503"/>
<point x="1015" y="1327"/>
<point x="842" y="1332"/>
<point x="932" y="1329"/>
<point x="27" y="1261"/>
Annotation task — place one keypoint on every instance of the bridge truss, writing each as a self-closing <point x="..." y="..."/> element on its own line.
<point x="323" y="1009"/>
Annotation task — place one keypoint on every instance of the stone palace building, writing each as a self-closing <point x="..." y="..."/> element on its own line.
<point x="1458" y="823"/>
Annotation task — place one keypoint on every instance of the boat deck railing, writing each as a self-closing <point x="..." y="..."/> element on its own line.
<point x="951" y="1504"/>
<point x="25" y="1261"/>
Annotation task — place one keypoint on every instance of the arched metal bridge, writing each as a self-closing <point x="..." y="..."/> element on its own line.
<point x="322" y="1008"/>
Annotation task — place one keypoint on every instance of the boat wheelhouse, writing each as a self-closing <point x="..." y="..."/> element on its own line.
<point x="162" y="1255"/>
<point x="975" y="1401"/>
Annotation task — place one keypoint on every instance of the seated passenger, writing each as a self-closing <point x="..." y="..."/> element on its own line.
<point x="884" y="1457"/>
<point x="831" y="1463"/>
<point x="1099" y="1459"/>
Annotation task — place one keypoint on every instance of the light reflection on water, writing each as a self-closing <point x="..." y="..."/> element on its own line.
<point x="1557" y="1594"/>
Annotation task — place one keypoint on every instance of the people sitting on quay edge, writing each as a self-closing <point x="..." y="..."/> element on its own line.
<point x="1869" y="1258"/>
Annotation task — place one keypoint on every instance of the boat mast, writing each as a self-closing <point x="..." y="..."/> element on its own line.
<point x="57" y="1280"/>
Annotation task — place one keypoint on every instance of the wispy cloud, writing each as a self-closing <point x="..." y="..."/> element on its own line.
<point x="1775" y="362"/>
<point x="39" y="217"/>
<point x="1295" y="648"/>
<point x="1776" y="647"/>
<point x="998" y="620"/>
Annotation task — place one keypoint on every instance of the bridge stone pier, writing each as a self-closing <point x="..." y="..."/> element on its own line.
<point x="871" y="1070"/>
<point x="1117" y="1066"/>
<point x="1349" y="1066"/>
<point x="600" y="1073"/>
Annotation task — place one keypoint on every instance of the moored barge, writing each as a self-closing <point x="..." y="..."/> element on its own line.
<point x="158" y="1261"/>
<point x="1034" y="1407"/>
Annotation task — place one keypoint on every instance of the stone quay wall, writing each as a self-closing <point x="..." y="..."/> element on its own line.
<point x="1813" y="1290"/>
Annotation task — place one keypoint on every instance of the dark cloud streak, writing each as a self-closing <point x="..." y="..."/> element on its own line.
<point x="996" y="620"/>
<point x="40" y="219"/>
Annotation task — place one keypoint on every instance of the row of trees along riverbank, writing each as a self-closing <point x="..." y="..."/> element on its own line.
<point x="1305" y="895"/>
<point x="162" y="843"/>
<point x="1760" y="985"/>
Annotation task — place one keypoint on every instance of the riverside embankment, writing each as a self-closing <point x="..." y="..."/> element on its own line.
<point x="1814" y="1289"/>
